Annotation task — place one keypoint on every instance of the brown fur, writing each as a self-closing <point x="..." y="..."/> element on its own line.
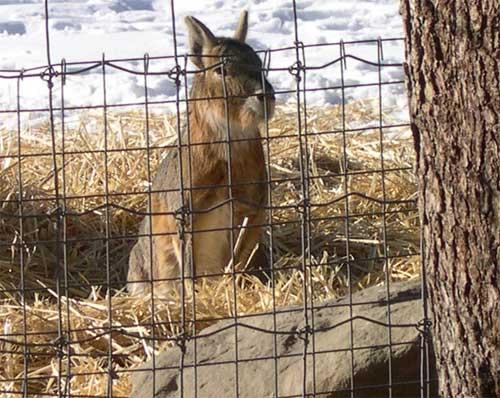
<point x="205" y="169"/>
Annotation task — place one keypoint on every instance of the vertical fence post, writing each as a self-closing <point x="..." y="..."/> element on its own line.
<point x="48" y="75"/>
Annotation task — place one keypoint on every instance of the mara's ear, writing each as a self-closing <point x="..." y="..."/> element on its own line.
<point x="242" y="28"/>
<point x="199" y="37"/>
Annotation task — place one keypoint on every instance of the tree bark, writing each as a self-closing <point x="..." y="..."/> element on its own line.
<point x="453" y="73"/>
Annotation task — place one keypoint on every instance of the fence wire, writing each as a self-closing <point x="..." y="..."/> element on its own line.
<point x="56" y="217"/>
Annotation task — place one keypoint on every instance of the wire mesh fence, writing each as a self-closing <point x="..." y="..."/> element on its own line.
<point x="127" y="230"/>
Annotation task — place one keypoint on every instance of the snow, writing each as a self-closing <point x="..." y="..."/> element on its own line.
<point x="83" y="30"/>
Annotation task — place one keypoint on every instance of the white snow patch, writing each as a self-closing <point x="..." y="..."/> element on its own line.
<point x="83" y="30"/>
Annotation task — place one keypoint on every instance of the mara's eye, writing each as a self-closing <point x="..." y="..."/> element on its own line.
<point x="219" y="70"/>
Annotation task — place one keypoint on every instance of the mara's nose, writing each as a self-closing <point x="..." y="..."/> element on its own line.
<point x="269" y="95"/>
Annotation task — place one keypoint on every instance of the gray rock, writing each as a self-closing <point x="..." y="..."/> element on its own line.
<point x="327" y="372"/>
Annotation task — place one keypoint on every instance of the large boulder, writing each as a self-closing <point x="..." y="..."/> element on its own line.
<point x="328" y="372"/>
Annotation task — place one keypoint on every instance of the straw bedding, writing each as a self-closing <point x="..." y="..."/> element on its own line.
<point x="84" y="309"/>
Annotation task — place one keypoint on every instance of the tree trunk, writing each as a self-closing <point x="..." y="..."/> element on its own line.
<point x="453" y="73"/>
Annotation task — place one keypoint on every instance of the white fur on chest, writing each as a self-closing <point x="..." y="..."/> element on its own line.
<point x="235" y="132"/>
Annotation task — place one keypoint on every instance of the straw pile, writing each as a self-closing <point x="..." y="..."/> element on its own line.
<point x="83" y="311"/>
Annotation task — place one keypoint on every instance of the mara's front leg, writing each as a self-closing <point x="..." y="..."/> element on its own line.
<point x="250" y="237"/>
<point x="210" y="238"/>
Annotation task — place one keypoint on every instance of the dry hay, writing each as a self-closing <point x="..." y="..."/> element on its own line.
<point x="83" y="312"/>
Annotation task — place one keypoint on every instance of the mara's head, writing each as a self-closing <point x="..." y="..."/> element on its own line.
<point x="228" y="68"/>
